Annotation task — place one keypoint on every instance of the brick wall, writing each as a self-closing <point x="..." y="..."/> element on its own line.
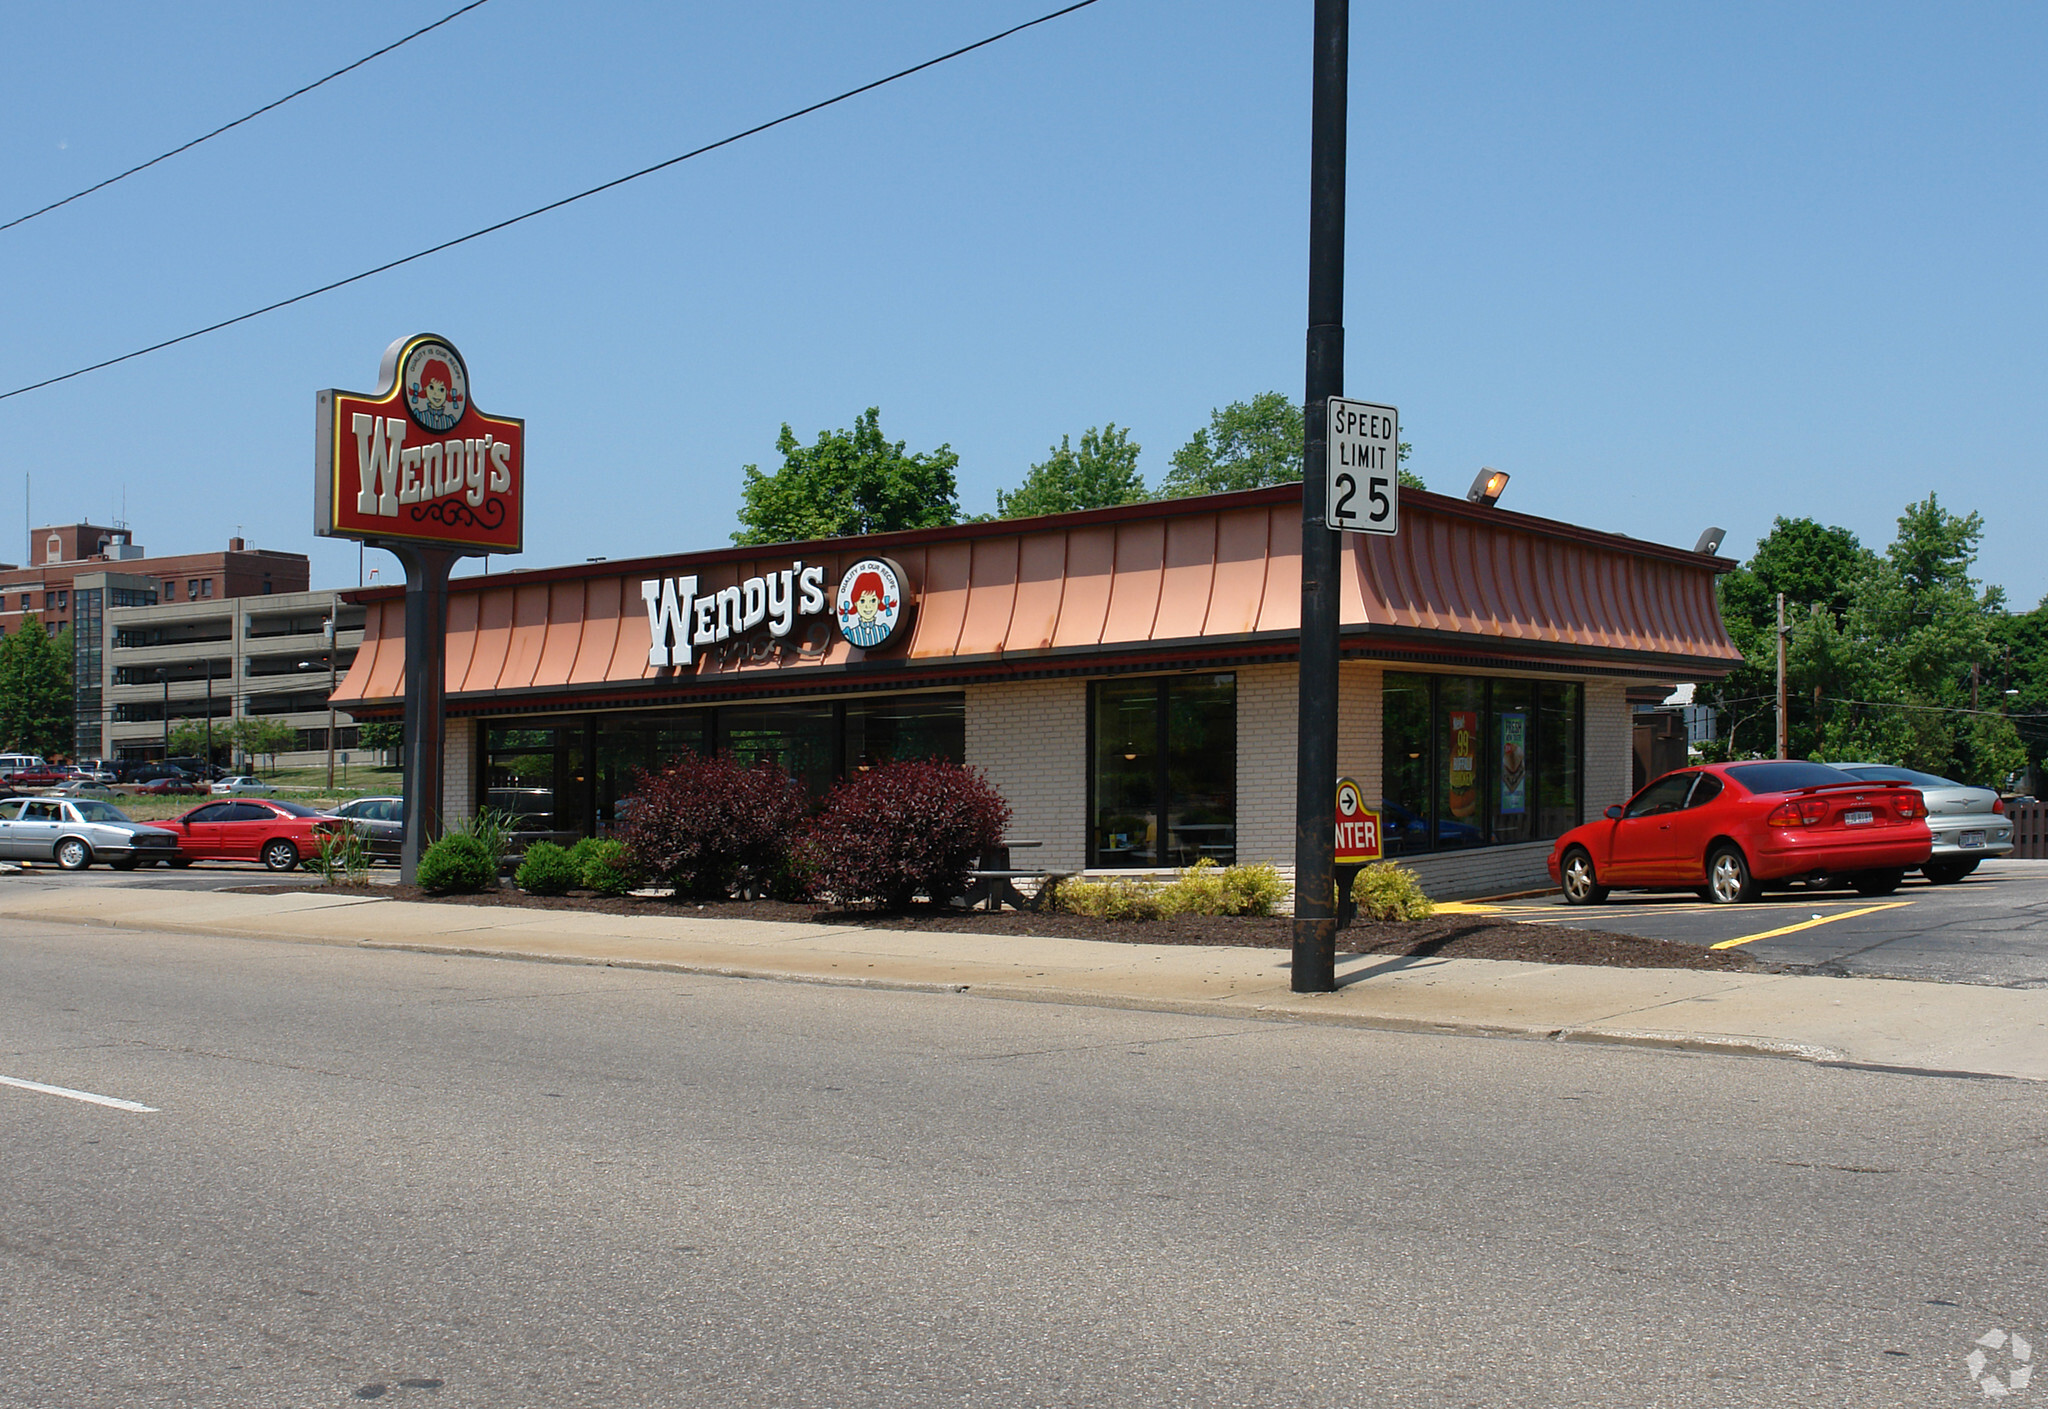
<point x="1610" y="746"/>
<point x="1031" y="738"/>
<point x="458" y="774"/>
<point x="1266" y="741"/>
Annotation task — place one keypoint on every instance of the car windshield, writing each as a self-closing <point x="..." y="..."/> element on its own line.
<point x="297" y="809"/>
<point x="1901" y="775"/>
<point x="93" y="811"/>
<point x="1783" y="776"/>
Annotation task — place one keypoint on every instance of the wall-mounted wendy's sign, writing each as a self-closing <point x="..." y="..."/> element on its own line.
<point x="870" y="603"/>
<point x="757" y="619"/>
<point x="417" y="461"/>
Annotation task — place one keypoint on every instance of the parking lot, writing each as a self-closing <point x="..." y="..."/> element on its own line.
<point x="1991" y="928"/>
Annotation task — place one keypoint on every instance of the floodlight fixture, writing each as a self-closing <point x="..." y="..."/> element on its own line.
<point x="1710" y="541"/>
<point x="1487" y="487"/>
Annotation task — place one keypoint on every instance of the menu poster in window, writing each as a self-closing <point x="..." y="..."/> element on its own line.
<point x="1464" y="789"/>
<point x="1514" y="764"/>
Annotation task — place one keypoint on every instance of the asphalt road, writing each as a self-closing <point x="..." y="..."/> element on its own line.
<point x="1991" y="928"/>
<point x="460" y="1182"/>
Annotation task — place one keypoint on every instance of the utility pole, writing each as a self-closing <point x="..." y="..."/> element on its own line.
<point x="1781" y="676"/>
<point x="1315" y="768"/>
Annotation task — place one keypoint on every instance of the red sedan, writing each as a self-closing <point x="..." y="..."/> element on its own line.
<point x="1728" y="829"/>
<point x="279" y="834"/>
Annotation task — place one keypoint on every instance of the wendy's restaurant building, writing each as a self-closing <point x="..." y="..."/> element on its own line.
<point x="1125" y="677"/>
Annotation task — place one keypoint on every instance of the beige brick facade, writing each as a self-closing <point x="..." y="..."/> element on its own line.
<point x="1031" y="738"/>
<point x="459" y="766"/>
<point x="1610" y="746"/>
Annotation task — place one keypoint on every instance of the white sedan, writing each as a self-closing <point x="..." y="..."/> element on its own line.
<point x="243" y="787"/>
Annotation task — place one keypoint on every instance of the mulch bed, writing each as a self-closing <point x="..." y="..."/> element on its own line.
<point x="1448" y="936"/>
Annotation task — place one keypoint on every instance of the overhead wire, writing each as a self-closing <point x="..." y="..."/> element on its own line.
<point x="551" y="205"/>
<point x="246" y="117"/>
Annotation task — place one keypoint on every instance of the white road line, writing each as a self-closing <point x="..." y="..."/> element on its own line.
<point x="115" y="1101"/>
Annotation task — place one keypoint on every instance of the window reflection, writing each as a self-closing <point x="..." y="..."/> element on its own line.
<point x="1165" y="771"/>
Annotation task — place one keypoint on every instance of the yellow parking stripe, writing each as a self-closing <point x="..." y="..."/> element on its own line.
<point x="1809" y="924"/>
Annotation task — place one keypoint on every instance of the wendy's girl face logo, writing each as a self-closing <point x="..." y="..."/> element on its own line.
<point x="870" y="602"/>
<point x="436" y="386"/>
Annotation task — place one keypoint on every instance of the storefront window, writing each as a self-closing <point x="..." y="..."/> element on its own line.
<point x="1406" y="808"/>
<point x="1511" y="717"/>
<point x="907" y="726"/>
<point x="537" y="775"/>
<point x="1468" y="761"/>
<point x="1560" y="778"/>
<point x="627" y="744"/>
<point x="800" y="737"/>
<point x="1164" y="778"/>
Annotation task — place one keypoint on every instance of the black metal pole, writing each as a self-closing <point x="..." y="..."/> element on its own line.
<point x="426" y="688"/>
<point x="1315" y="778"/>
<point x="209" y="717"/>
<point x="163" y="674"/>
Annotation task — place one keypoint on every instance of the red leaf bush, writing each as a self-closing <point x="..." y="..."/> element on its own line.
<point x="903" y="829"/>
<point x="709" y="828"/>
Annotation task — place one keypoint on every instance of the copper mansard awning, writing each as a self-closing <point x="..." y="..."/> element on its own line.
<point x="1180" y="582"/>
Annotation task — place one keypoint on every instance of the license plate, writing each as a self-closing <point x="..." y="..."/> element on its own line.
<point x="1859" y="818"/>
<point x="1970" y="839"/>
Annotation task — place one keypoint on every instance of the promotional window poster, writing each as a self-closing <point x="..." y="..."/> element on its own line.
<point x="1514" y="764"/>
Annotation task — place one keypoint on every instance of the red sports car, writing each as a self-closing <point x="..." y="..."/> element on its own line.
<point x="1728" y="829"/>
<point x="279" y="834"/>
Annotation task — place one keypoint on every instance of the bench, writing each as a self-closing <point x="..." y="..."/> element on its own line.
<point x="992" y="884"/>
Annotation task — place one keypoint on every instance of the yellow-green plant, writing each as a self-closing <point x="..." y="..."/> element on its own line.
<point x="1385" y="891"/>
<point x="1108" y="900"/>
<point x="344" y="857"/>
<point x="1202" y="889"/>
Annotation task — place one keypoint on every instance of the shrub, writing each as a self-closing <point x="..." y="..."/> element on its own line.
<point x="1108" y="900"/>
<point x="706" y="827"/>
<point x="457" y="863"/>
<point x="904" y="829"/>
<point x="1207" y="889"/>
<point x="1202" y="889"/>
<point x="344" y="857"/>
<point x="491" y="829"/>
<point x="601" y="865"/>
<point x="547" y="870"/>
<point x="1385" y="891"/>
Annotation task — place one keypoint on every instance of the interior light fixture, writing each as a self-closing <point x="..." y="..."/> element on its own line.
<point x="1487" y="487"/>
<point x="1710" y="541"/>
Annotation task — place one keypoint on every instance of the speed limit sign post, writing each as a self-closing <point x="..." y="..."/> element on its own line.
<point x="1365" y="453"/>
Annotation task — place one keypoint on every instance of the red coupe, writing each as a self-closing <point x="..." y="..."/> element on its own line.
<point x="1728" y="829"/>
<point x="279" y="834"/>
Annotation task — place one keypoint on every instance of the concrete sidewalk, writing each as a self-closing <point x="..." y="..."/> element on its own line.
<point x="1921" y="1026"/>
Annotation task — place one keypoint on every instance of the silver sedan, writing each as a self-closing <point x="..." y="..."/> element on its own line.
<point x="75" y="832"/>
<point x="1968" y="823"/>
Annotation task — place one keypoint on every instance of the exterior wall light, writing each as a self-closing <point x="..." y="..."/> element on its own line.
<point x="1487" y="487"/>
<point x="1710" y="541"/>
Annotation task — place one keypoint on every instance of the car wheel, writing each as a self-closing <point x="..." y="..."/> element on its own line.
<point x="73" y="854"/>
<point x="179" y="862"/>
<point x="1876" y="882"/>
<point x="1947" y="873"/>
<point x="280" y="855"/>
<point x="1728" y="878"/>
<point x="128" y="864"/>
<point x="1581" y="886"/>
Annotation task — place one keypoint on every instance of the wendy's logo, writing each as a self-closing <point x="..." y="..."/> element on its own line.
<point x="436" y="386"/>
<point x="870" y="602"/>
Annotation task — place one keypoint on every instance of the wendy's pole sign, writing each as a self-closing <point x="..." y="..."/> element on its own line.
<point x="418" y="470"/>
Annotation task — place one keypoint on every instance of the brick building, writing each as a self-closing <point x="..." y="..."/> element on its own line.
<point x="1126" y="677"/>
<point x="59" y="553"/>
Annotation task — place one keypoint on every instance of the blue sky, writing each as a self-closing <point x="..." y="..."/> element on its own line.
<point x="1668" y="267"/>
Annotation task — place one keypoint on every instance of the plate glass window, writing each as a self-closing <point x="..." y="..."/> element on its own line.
<point x="1163" y="779"/>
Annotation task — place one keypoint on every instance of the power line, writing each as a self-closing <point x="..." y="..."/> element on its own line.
<point x="550" y="206"/>
<point x="295" y="93"/>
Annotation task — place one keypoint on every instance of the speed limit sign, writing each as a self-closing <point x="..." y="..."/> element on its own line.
<point x="1365" y="451"/>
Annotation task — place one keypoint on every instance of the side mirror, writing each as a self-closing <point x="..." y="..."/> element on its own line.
<point x="1613" y="812"/>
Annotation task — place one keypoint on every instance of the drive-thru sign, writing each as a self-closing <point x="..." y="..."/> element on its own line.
<point x="1358" y="826"/>
<point x="1364" y="456"/>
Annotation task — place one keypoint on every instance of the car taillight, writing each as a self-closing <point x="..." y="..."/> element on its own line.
<point x="1909" y="805"/>
<point x="1798" y="814"/>
<point x="1998" y="804"/>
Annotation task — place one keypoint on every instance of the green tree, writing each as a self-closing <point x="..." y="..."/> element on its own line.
<point x="1102" y="473"/>
<point x="850" y="481"/>
<point x="256" y="737"/>
<point x="189" y="737"/>
<point x="37" y="712"/>
<point x="1250" y="444"/>
<point x="387" y="736"/>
